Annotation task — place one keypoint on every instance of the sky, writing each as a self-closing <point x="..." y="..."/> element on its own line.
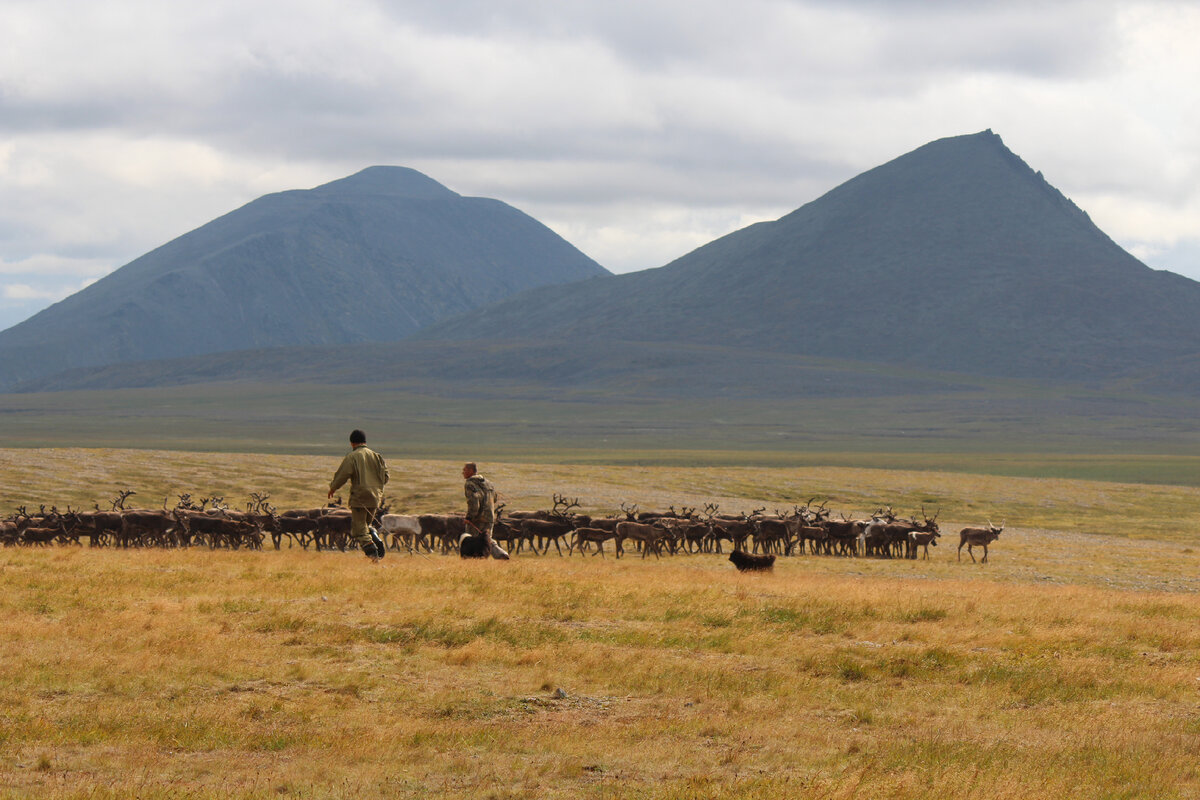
<point x="638" y="130"/>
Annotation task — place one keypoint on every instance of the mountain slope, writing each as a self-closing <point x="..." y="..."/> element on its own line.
<point x="371" y="257"/>
<point x="956" y="256"/>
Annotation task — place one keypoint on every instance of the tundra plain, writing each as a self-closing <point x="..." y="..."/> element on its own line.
<point x="1067" y="667"/>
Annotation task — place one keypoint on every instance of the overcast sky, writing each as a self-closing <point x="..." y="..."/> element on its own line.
<point x="636" y="130"/>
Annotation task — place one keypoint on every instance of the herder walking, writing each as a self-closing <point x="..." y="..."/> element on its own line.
<point x="481" y="510"/>
<point x="367" y="473"/>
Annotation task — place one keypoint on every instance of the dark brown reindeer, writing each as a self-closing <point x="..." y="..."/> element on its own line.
<point x="775" y="534"/>
<point x="737" y="530"/>
<point x="560" y="523"/>
<point x="843" y="535"/>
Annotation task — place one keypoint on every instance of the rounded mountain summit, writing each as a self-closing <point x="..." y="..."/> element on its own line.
<point x="370" y="257"/>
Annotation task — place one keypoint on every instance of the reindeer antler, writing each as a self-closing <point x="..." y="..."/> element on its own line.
<point x="562" y="506"/>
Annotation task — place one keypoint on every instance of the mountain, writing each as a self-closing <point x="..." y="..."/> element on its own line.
<point x="955" y="257"/>
<point x="371" y="257"/>
<point x="954" y="262"/>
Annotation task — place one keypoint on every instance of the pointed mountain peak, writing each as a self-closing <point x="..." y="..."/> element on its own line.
<point x="974" y="141"/>
<point x="972" y="153"/>
<point x="973" y="178"/>
<point x="956" y="256"/>
<point x="393" y="181"/>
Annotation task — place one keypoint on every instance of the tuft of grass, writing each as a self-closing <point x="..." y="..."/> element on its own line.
<point x="851" y="671"/>
<point x="922" y="614"/>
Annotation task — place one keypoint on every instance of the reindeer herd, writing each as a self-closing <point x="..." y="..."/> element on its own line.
<point x="808" y="529"/>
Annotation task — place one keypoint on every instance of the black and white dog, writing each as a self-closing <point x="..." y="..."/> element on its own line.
<point x="470" y="546"/>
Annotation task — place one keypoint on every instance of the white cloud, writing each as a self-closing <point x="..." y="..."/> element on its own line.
<point x="52" y="265"/>
<point x="641" y="236"/>
<point x="23" y="291"/>
<point x="19" y="299"/>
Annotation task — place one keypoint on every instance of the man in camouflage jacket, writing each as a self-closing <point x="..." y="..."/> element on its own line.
<point x="367" y="473"/>
<point x="481" y="508"/>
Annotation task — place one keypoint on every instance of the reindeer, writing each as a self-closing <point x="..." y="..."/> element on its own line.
<point x="815" y="536"/>
<point x="558" y="523"/>
<point x="734" y="529"/>
<point x="774" y="534"/>
<point x="10" y="533"/>
<point x="694" y="536"/>
<point x="589" y="535"/>
<point x="507" y="532"/>
<point x="546" y="532"/>
<point x="99" y="526"/>
<point x="333" y="529"/>
<point x="649" y="536"/>
<point x="146" y="528"/>
<point x="297" y="525"/>
<point x="843" y="533"/>
<point x="888" y="535"/>
<point x="922" y="540"/>
<point x="978" y="536"/>
<point x="404" y="529"/>
<point x="925" y="534"/>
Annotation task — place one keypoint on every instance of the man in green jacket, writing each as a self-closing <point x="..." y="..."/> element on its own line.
<point x="367" y="473"/>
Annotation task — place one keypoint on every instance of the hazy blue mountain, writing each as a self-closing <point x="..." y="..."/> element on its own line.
<point x="956" y="259"/>
<point x="371" y="257"/>
<point x="956" y="256"/>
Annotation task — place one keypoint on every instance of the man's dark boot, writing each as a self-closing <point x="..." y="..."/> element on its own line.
<point x="380" y="550"/>
<point x="369" y="551"/>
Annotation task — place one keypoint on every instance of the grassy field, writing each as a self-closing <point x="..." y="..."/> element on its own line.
<point x="198" y="674"/>
<point x="1067" y="667"/>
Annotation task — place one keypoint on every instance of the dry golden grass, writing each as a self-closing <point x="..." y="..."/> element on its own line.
<point x="1067" y="667"/>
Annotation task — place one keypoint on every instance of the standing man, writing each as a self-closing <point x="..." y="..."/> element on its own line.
<point x="481" y="508"/>
<point x="367" y="473"/>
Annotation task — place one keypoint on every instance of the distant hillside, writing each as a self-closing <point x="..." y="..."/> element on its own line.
<point x="371" y="257"/>
<point x="619" y="370"/>
<point x="956" y="256"/>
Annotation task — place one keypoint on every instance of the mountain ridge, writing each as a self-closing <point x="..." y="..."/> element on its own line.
<point x="369" y="257"/>
<point x="956" y="256"/>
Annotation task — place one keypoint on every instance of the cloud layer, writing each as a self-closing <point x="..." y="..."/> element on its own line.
<point x="636" y="130"/>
